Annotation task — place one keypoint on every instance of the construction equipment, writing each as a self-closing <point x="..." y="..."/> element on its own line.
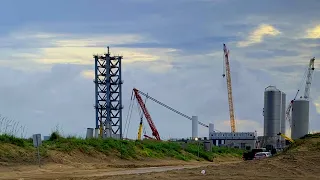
<point x="145" y="111"/>
<point x="147" y="115"/>
<point x="141" y="124"/>
<point x="250" y="155"/>
<point x="308" y="79"/>
<point x="285" y="137"/>
<point x="140" y="129"/>
<point x="168" y="107"/>
<point x="226" y="72"/>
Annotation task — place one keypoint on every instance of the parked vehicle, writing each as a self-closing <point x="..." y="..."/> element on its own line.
<point x="262" y="155"/>
<point x="250" y="155"/>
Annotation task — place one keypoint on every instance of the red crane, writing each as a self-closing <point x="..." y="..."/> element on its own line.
<point x="143" y="107"/>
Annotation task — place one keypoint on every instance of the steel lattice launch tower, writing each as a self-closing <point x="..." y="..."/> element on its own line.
<point x="108" y="95"/>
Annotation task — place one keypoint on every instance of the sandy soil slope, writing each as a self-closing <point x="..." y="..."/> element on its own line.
<point x="89" y="170"/>
<point x="95" y="170"/>
<point x="302" y="162"/>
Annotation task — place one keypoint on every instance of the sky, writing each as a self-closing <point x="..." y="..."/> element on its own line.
<point x="172" y="50"/>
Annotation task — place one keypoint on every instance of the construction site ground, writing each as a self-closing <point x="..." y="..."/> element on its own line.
<point x="302" y="161"/>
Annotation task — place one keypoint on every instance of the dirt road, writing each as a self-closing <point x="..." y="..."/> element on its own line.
<point x="53" y="173"/>
<point x="302" y="163"/>
<point x="300" y="166"/>
<point x="94" y="170"/>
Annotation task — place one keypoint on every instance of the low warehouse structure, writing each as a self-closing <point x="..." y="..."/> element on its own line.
<point x="242" y="140"/>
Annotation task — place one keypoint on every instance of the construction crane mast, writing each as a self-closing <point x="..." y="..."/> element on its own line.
<point x="229" y="86"/>
<point x="309" y="73"/>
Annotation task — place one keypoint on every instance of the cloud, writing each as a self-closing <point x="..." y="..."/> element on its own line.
<point x="258" y="34"/>
<point x="49" y="49"/>
<point x="313" y="33"/>
<point x="46" y="62"/>
<point x="89" y="74"/>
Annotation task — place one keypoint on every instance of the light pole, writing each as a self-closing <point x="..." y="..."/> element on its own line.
<point x="198" y="145"/>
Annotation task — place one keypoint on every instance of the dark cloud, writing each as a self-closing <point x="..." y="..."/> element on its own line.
<point x="271" y="53"/>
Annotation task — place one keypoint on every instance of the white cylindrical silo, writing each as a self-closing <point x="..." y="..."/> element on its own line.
<point x="300" y="118"/>
<point x="283" y="114"/>
<point x="211" y="128"/>
<point x="108" y="130"/>
<point x="274" y="114"/>
<point x="194" y="127"/>
<point x="89" y="133"/>
<point x="273" y="111"/>
<point x="96" y="132"/>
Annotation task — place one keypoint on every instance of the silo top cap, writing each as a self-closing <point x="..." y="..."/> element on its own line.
<point x="271" y="88"/>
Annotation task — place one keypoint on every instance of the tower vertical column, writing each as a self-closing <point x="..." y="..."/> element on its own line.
<point x="100" y="93"/>
<point x="96" y="59"/>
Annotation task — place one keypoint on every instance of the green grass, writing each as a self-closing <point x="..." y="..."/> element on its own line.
<point x="126" y="149"/>
<point x="14" y="140"/>
<point x="304" y="141"/>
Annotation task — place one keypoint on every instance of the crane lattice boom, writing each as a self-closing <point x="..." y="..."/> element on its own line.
<point x="168" y="107"/>
<point x="229" y="86"/>
<point x="145" y="111"/>
<point x="309" y="78"/>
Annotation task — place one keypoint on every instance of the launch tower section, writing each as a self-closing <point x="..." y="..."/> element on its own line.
<point x="108" y="95"/>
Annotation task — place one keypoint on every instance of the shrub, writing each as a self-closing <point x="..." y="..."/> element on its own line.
<point x="54" y="136"/>
<point x="13" y="140"/>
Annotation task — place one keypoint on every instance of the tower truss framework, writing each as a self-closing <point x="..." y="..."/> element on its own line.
<point x="108" y="95"/>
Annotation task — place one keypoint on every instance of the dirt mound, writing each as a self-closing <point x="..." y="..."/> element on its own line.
<point x="77" y="151"/>
<point x="300" y="161"/>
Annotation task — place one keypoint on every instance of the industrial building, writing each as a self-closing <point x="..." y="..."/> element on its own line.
<point x="108" y="109"/>
<point x="274" y="113"/>
<point x="243" y="140"/>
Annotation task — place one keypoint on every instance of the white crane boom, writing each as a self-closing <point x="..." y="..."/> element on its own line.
<point x="309" y="79"/>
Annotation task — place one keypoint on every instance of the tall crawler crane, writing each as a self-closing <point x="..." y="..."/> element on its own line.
<point x="227" y="73"/>
<point x="146" y="113"/>
<point x="308" y="79"/>
<point x="137" y="95"/>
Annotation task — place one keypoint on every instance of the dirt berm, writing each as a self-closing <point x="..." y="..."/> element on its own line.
<point x="300" y="161"/>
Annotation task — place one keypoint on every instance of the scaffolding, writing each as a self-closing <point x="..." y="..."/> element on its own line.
<point x="108" y="95"/>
